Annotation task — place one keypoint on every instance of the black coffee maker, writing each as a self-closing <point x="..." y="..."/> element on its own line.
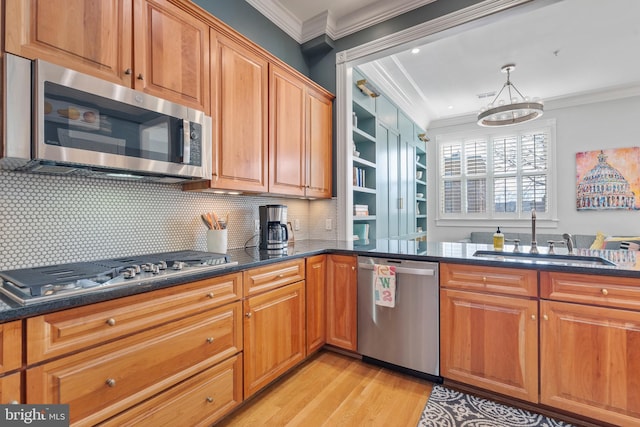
<point x="274" y="234"/>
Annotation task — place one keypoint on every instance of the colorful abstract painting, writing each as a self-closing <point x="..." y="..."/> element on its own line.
<point x="608" y="179"/>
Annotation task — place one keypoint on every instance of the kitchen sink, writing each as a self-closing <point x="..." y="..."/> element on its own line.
<point x="573" y="260"/>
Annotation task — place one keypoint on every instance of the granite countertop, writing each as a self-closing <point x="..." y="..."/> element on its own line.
<point x="626" y="265"/>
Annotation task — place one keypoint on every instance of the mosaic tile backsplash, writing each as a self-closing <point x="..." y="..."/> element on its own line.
<point x="57" y="219"/>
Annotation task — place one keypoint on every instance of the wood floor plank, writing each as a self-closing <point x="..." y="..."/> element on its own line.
<point x="332" y="389"/>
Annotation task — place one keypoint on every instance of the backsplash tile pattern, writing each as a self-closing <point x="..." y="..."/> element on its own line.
<point x="57" y="219"/>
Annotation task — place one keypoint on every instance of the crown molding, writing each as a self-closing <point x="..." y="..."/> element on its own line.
<point x="325" y="23"/>
<point x="280" y="16"/>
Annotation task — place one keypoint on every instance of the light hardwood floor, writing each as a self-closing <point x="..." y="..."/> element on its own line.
<point x="336" y="390"/>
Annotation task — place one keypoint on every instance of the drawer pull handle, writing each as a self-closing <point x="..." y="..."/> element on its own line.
<point x="248" y="314"/>
<point x="545" y="317"/>
<point x="280" y="276"/>
<point x="604" y="292"/>
<point x="210" y="295"/>
<point x="209" y="399"/>
<point x="533" y="317"/>
<point x="210" y="340"/>
<point x="111" y="382"/>
<point x="111" y="322"/>
<point x="484" y="279"/>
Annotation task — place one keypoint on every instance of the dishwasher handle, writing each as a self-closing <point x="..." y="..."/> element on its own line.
<point x="404" y="270"/>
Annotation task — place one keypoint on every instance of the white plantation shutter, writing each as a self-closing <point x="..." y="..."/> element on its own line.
<point x="451" y="167"/>
<point x="496" y="176"/>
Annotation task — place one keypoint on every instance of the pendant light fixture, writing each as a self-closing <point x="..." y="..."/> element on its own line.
<point x="512" y="111"/>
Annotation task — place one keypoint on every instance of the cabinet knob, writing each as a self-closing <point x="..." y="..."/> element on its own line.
<point x="484" y="279"/>
<point x="604" y="292"/>
<point x="533" y="317"/>
<point x="127" y="71"/>
<point x="140" y="76"/>
<point x="248" y="314"/>
<point x="545" y="317"/>
<point x="111" y="382"/>
<point x="210" y="295"/>
<point x="13" y="402"/>
<point x="210" y="340"/>
<point x="209" y="399"/>
<point x="353" y="268"/>
<point x="280" y="276"/>
<point x="111" y="321"/>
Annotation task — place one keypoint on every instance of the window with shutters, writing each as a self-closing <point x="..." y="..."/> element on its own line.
<point x="497" y="174"/>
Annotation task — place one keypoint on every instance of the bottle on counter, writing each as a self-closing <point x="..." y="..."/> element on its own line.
<point x="498" y="240"/>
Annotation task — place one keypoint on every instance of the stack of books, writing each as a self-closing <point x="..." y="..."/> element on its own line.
<point x="359" y="178"/>
<point x="361" y="233"/>
<point x="361" y="210"/>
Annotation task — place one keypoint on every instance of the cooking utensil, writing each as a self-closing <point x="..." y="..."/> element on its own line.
<point x="206" y="221"/>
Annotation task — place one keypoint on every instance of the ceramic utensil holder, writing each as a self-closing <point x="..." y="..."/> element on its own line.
<point x="217" y="241"/>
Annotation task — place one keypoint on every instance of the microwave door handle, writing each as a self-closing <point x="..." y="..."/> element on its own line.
<point x="186" y="142"/>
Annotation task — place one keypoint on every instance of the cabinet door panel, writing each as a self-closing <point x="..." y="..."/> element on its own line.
<point x="342" y="301"/>
<point x="274" y="335"/>
<point x="316" y="269"/>
<point x="171" y="54"/>
<point x="239" y="93"/>
<point x="10" y="346"/>
<point x="319" y="142"/>
<point x="589" y="361"/>
<point x="491" y="342"/>
<point x="286" y="133"/>
<point x="94" y="37"/>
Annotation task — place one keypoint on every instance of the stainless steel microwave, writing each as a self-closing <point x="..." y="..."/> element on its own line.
<point x="60" y="121"/>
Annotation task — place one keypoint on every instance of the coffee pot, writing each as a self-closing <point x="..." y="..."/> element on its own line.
<point x="274" y="233"/>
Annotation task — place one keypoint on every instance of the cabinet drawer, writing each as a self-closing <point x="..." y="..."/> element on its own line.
<point x="199" y="401"/>
<point x="508" y="281"/>
<point x="620" y="292"/>
<point x="105" y="380"/>
<point x="273" y="276"/>
<point x="10" y="386"/>
<point x="10" y="346"/>
<point x="59" y="333"/>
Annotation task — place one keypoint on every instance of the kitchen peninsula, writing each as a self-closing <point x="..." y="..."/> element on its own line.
<point x="517" y="300"/>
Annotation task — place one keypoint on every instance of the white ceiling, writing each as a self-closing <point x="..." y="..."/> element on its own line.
<point x="566" y="49"/>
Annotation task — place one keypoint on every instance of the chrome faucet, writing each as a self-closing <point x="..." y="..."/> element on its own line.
<point x="534" y="244"/>
<point x="569" y="241"/>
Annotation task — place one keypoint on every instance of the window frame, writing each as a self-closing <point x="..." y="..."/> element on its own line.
<point x="490" y="216"/>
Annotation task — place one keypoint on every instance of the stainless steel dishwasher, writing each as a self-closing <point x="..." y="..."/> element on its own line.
<point x="406" y="336"/>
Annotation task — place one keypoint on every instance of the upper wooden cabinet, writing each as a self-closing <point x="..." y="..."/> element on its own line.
<point x="170" y="46"/>
<point x="171" y="51"/>
<point x="239" y="93"/>
<point x="93" y="37"/>
<point x="300" y="121"/>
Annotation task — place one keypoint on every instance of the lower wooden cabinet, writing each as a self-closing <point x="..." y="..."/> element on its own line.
<point x="10" y="388"/>
<point x="274" y="334"/>
<point x="10" y="346"/>
<point x="490" y="341"/>
<point x="316" y="268"/>
<point x="590" y="345"/>
<point x="198" y="401"/>
<point x="102" y="381"/>
<point x="342" y="301"/>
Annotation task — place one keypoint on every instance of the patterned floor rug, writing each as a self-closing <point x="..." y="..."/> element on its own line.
<point x="449" y="408"/>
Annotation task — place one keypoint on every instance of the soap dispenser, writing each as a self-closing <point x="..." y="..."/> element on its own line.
<point x="498" y="240"/>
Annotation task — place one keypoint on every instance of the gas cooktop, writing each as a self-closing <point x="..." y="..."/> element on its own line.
<point x="31" y="285"/>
